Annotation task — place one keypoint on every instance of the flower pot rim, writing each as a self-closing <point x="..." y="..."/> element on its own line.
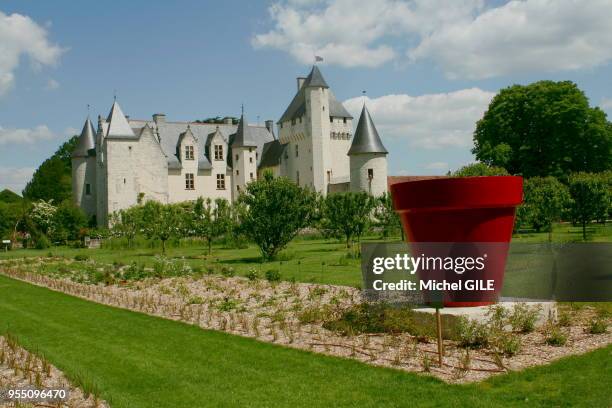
<point x="458" y="193"/>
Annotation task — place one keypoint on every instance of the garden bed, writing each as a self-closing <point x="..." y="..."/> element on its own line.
<point x="20" y="369"/>
<point x="320" y="318"/>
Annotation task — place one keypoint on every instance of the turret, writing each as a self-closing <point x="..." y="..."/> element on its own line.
<point x="84" y="170"/>
<point x="244" y="157"/>
<point x="368" y="158"/>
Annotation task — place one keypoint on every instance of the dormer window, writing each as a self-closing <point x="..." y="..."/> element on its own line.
<point x="218" y="152"/>
<point x="189" y="153"/>
<point x="344" y="120"/>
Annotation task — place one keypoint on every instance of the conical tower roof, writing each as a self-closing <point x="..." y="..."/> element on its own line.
<point x="366" y="138"/>
<point x="243" y="135"/>
<point x="87" y="140"/>
<point x="315" y="78"/>
<point x="118" y="125"/>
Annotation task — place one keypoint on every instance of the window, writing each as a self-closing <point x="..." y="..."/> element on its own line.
<point x="251" y="176"/>
<point x="87" y="189"/>
<point x="328" y="176"/>
<point x="189" y="182"/>
<point x="250" y="149"/>
<point x="220" y="181"/>
<point x="256" y="155"/>
<point x="237" y="157"/>
<point x="237" y="172"/>
<point x="370" y="174"/>
<point x="297" y="151"/>
<point x="238" y="188"/>
<point x="218" y="152"/>
<point x="292" y="122"/>
<point x="188" y="152"/>
<point x="344" y="120"/>
<point x="331" y="120"/>
<point x="297" y="177"/>
<point x="251" y="159"/>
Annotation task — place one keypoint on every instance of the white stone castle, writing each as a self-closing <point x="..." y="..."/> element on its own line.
<point x="127" y="161"/>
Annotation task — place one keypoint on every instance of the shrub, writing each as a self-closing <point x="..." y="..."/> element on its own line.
<point x="272" y="275"/>
<point x="228" y="271"/>
<point x="597" y="326"/>
<point x="565" y="319"/>
<point x="555" y="336"/>
<point x="42" y="242"/>
<point x="472" y="334"/>
<point x="508" y="344"/>
<point x="314" y="314"/>
<point x="252" y="274"/>
<point x="523" y="317"/>
<point x="81" y="257"/>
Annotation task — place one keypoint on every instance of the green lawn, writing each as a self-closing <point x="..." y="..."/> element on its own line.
<point x="305" y="260"/>
<point x="142" y="361"/>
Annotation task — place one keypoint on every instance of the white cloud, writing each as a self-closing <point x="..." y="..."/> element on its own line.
<point x="428" y="121"/>
<point x="20" y="35"/>
<point x="437" y="166"/>
<point x="606" y="104"/>
<point x="52" y="85"/>
<point x="351" y="32"/>
<point x="523" y="36"/>
<point x="15" y="178"/>
<point x="464" y="38"/>
<point x="25" y="136"/>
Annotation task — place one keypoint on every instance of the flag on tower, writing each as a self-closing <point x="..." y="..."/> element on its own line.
<point x="318" y="59"/>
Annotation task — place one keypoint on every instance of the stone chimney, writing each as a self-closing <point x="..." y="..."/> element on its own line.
<point x="270" y="126"/>
<point x="159" y="118"/>
<point x="300" y="82"/>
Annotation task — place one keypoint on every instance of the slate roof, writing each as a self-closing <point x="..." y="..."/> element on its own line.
<point x="118" y="126"/>
<point x="245" y="135"/>
<point x="297" y="107"/>
<point x="366" y="139"/>
<point x="272" y="153"/>
<point x="86" y="142"/>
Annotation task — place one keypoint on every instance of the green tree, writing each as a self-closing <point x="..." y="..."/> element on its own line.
<point x="68" y="222"/>
<point x="127" y="223"/>
<point x="480" y="169"/>
<point x="590" y="199"/>
<point x="545" y="200"/>
<point x="347" y="215"/>
<point x="211" y="219"/>
<point x="9" y="197"/>
<point x="161" y="222"/>
<point x="545" y="128"/>
<point x="53" y="179"/>
<point x="386" y="216"/>
<point x="275" y="209"/>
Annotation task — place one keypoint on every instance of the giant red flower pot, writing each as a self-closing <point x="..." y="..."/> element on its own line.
<point x="463" y="217"/>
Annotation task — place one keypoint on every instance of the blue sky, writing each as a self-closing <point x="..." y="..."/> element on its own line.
<point x="429" y="67"/>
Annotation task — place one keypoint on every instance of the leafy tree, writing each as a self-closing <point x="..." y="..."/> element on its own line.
<point x="590" y="198"/>
<point x="347" y="215"/>
<point x="43" y="215"/>
<point x="53" y="179"/>
<point x="126" y="223"/>
<point x="161" y="222"/>
<point x="480" y="169"/>
<point x="9" y="197"/>
<point x="211" y="220"/>
<point x="545" y="202"/>
<point x="545" y="128"/>
<point x="274" y="210"/>
<point x="386" y="216"/>
<point x="68" y="222"/>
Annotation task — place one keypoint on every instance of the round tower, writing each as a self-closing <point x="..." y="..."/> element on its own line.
<point x="84" y="170"/>
<point x="368" y="158"/>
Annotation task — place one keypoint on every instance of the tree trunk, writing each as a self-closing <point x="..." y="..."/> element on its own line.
<point x="209" y="246"/>
<point x="163" y="247"/>
<point x="550" y="228"/>
<point x="583" y="230"/>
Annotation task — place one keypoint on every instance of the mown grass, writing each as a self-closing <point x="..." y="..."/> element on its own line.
<point x="135" y="360"/>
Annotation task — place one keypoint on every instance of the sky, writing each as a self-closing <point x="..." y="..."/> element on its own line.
<point x="429" y="67"/>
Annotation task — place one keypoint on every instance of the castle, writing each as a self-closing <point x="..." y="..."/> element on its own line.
<point x="127" y="161"/>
